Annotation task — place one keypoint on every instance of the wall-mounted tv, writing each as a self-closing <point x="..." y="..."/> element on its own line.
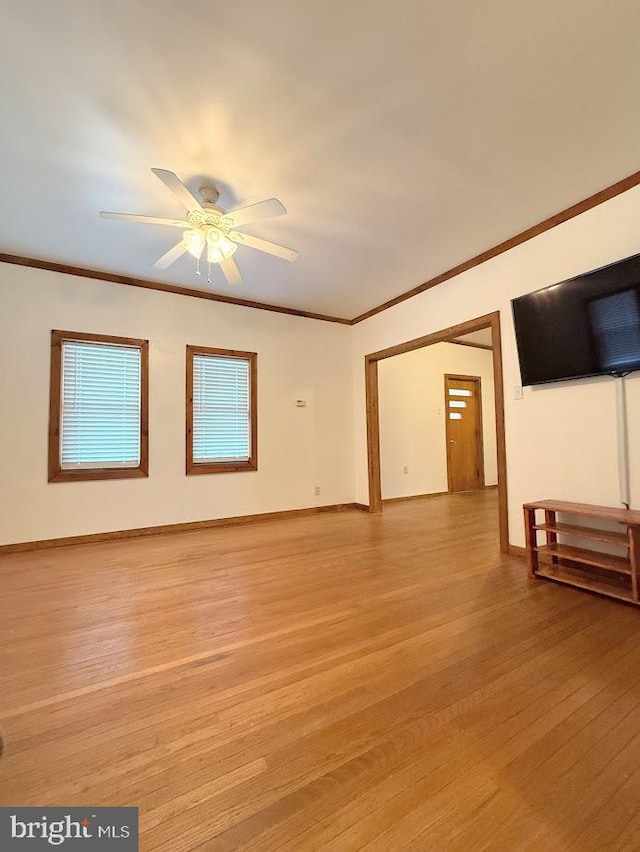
<point x="585" y="326"/>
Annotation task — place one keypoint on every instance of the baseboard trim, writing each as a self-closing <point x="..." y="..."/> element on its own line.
<point x="515" y="550"/>
<point x="432" y="494"/>
<point x="188" y="526"/>
<point x="362" y="507"/>
<point x="413" y="497"/>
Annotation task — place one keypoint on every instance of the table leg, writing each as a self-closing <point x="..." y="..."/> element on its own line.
<point x="634" y="558"/>
<point x="552" y="538"/>
<point x="531" y="540"/>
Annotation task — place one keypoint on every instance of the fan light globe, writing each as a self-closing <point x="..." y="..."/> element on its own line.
<point x="219" y="247"/>
<point x="194" y="242"/>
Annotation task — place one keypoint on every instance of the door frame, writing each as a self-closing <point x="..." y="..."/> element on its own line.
<point x="479" y="427"/>
<point x="446" y="335"/>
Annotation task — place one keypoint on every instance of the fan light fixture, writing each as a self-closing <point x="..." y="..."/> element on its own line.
<point x="219" y="246"/>
<point x="194" y="242"/>
<point x="208" y="226"/>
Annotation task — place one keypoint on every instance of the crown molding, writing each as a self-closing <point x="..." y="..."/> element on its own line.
<point x="99" y="275"/>
<point x="546" y="225"/>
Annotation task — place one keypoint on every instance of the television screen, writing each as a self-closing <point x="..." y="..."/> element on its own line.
<point x="586" y="326"/>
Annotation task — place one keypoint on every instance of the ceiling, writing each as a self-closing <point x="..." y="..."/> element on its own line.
<point x="483" y="337"/>
<point x="403" y="138"/>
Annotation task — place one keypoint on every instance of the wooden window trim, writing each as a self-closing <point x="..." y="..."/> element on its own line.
<point x="56" y="473"/>
<point x="195" y="468"/>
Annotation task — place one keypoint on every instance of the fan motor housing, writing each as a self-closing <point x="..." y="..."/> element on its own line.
<point x="209" y="195"/>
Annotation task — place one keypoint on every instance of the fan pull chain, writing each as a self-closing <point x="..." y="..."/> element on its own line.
<point x="209" y="278"/>
<point x="198" y="266"/>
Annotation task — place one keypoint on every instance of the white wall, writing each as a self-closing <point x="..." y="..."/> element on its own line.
<point x="560" y="438"/>
<point x="298" y="448"/>
<point x="412" y="417"/>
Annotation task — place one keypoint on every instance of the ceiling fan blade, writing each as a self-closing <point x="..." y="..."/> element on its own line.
<point x="230" y="270"/>
<point x="171" y="256"/>
<point x="264" y="245"/>
<point x="173" y="182"/>
<point x="260" y="210"/>
<point x="148" y="220"/>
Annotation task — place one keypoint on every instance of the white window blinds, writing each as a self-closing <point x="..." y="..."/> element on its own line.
<point x="221" y="409"/>
<point x="100" y="406"/>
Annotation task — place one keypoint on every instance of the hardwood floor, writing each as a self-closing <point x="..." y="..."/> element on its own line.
<point x="334" y="682"/>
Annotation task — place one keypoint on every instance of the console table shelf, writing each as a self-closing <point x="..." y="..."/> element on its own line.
<point x="616" y="575"/>
<point x="555" y="573"/>
<point x="586" y="532"/>
<point x="607" y="561"/>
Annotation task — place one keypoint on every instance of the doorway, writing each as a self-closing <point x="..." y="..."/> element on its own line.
<point x="463" y="429"/>
<point x="488" y="321"/>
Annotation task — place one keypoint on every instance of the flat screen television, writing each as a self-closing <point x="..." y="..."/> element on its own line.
<point x="585" y="326"/>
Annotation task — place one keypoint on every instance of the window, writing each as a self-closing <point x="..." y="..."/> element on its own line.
<point x="221" y="410"/>
<point x="98" y="419"/>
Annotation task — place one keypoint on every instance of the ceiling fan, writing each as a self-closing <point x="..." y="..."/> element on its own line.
<point x="207" y="226"/>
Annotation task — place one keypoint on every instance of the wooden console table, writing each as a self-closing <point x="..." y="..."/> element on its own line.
<point x="616" y="576"/>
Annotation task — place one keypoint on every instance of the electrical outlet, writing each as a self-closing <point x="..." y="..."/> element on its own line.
<point x="405" y="469"/>
<point x="517" y="391"/>
<point x="317" y="490"/>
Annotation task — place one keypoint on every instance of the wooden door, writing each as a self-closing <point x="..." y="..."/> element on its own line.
<point x="463" y="413"/>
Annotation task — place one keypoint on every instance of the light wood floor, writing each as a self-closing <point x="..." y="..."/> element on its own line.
<point x="338" y="682"/>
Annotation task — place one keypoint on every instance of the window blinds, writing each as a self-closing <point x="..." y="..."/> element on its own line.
<point x="221" y="409"/>
<point x="100" y="407"/>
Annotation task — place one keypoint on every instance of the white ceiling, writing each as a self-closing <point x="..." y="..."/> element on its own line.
<point x="484" y="337"/>
<point x="403" y="137"/>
